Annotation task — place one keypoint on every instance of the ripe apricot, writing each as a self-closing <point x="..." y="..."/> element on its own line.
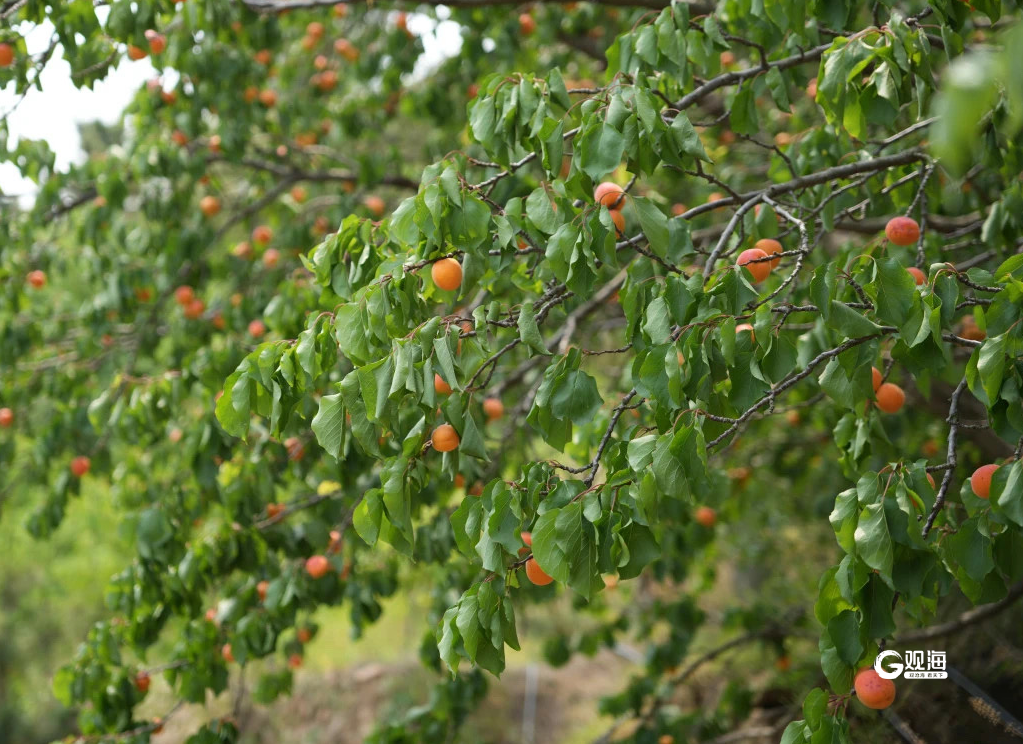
<point x="210" y="205"/>
<point x="295" y="661"/>
<point x="770" y="246"/>
<point x="536" y="574"/>
<point x="980" y="481"/>
<point x="705" y="516"/>
<point x="527" y="24"/>
<point x="743" y="327"/>
<point x="257" y="328"/>
<point x="609" y="194"/>
<point x="135" y="53"/>
<point x="272" y="510"/>
<point x="493" y="408"/>
<point x="527" y="538"/>
<point x="760" y="270"/>
<point x="890" y="397"/>
<point x="902" y="231"/>
<point x="930" y="448"/>
<point x="476" y="489"/>
<point x="6" y="417"/>
<point x="142" y="682"/>
<point x="261" y="589"/>
<point x="793" y="418"/>
<point x="446" y="273"/>
<point x="317" y="566"/>
<point x="930" y="479"/>
<point x="375" y="205"/>
<point x="346" y="49"/>
<point x="6" y="55"/>
<point x="444" y="438"/>
<point x="179" y="138"/>
<point x="299" y="194"/>
<point x="195" y="309"/>
<point x="918" y="276"/>
<point x="678" y="209"/>
<point x="811" y="89"/>
<point x="251" y="93"/>
<point x="304" y="635"/>
<point x="262" y="234"/>
<point x="157" y="41"/>
<point x="36" y="279"/>
<point x="783" y="663"/>
<point x="271" y="257"/>
<point x="619" y="221"/>
<point x="439" y="386"/>
<point x="175" y="435"/>
<point x="80" y="466"/>
<point x="459" y="480"/>
<point x="727" y="59"/>
<point x="226" y="653"/>
<point x="268" y="98"/>
<point x="243" y="250"/>
<point x="873" y="690"/>
<point x="263" y="56"/>
<point x="877" y="377"/>
<point x="315" y="29"/>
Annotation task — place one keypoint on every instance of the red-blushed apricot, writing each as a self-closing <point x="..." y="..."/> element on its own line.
<point x="527" y="24"/>
<point x="142" y="682"/>
<point x="262" y="234"/>
<point x="444" y="438"/>
<point x="315" y="29"/>
<point x="459" y="480"/>
<point x="299" y="194"/>
<point x="209" y="205"/>
<point x="527" y="538"/>
<point x="930" y="448"/>
<point x="268" y="98"/>
<point x="375" y="205"/>
<point x="157" y="41"/>
<point x="227" y="653"/>
<point x="271" y="257"/>
<point x="304" y="635"/>
<point x="236" y="299"/>
<point x="335" y="542"/>
<point x="340" y="11"/>
<point x="446" y="274"/>
<point x="493" y="409"/>
<point x="243" y="251"/>
<point x="175" y="435"/>
<point x="930" y="479"/>
<point x="811" y="89"/>
<point x="705" y="516"/>
<point x="876" y="377"/>
<point x="980" y="481"/>
<point x="536" y="574"/>
<point x="272" y="510"/>
<point x="317" y="566"/>
<point x="609" y="194"/>
<point x="80" y="466"/>
<point x="873" y="690"/>
<point x="472" y="91"/>
<point x="218" y="321"/>
<point x="263" y="56"/>
<point x="136" y="53"/>
<point x="169" y="97"/>
<point x="890" y="397"/>
<point x="439" y="386"/>
<point x="179" y="138"/>
<point x="727" y="59"/>
<point x="6" y="417"/>
<point x="902" y="231"/>
<point x="157" y="721"/>
<point x="211" y="615"/>
<point x="36" y="279"/>
<point x="770" y="246"/>
<point x="6" y="55"/>
<point x="476" y="489"/>
<point x="759" y="269"/>
<point x="678" y="209"/>
<point x="918" y="276"/>
<point x="666" y="739"/>
<point x="261" y="589"/>
<point x="618" y="219"/>
<point x="257" y="328"/>
<point x="295" y="661"/>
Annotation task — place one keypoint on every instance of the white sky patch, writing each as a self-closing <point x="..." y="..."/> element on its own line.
<point x="53" y="114"/>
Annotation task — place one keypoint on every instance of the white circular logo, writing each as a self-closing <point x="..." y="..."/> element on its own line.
<point x="897" y="666"/>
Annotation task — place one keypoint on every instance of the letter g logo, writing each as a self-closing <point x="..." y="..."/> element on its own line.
<point x="897" y="666"/>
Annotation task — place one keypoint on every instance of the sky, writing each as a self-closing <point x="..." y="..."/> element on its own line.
<point x="54" y="113"/>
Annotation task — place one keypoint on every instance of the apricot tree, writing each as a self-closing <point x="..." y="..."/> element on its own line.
<point x="422" y="312"/>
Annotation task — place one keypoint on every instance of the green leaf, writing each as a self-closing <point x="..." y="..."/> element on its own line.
<point x="529" y="331"/>
<point x="654" y="224"/>
<point x="329" y="424"/>
<point x="874" y="540"/>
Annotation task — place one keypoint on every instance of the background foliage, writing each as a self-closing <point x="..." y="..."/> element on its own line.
<point x="238" y="323"/>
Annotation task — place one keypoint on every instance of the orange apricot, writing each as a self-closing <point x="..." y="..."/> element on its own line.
<point x="261" y="589"/>
<point x="536" y="574"/>
<point x="705" y="516"/>
<point x="609" y="194"/>
<point x="918" y="276"/>
<point x="317" y="566"/>
<point x="759" y="269"/>
<point x="210" y="205"/>
<point x="770" y="246"/>
<point x="262" y="234"/>
<point x="444" y="438"/>
<point x="493" y="408"/>
<point x="439" y="386"/>
<point x="257" y="328"/>
<point x="36" y="279"/>
<point x="6" y="417"/>
<point x="80" y="466"/>
<point x="619" y="221"/>
<point x="877" y="377"/>
<point x="873" y="690"/>
<point x="890" y="397"/>
<point x="6" y="55"/>
<point x="527" y="24"/>
<point x="902" y="231"/>
<point x="446" y="273"/>
<point x="980" y="481"/>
